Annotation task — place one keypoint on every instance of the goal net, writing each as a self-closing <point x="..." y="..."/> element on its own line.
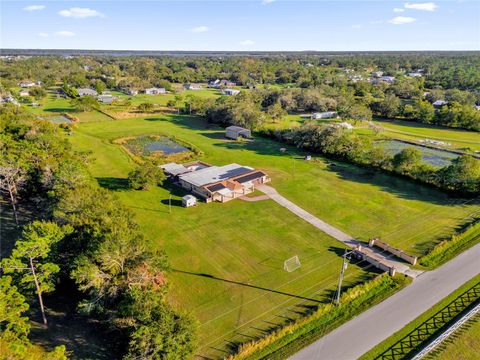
<point x="291" y="264"/>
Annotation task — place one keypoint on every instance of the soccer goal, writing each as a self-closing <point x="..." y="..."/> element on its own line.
<point x="291" y="264"/>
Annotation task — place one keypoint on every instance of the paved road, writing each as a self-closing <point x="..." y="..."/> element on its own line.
<point x="334" y="232"/>
<point x="370" y="328"/>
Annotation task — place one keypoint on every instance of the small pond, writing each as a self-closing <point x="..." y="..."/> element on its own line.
<point x="154" y="145"/>
<point x="433" y="157"/>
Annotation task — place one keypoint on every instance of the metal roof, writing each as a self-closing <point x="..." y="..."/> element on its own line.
<point x="174" y="168"/>
<point x="250" y="177"/>
<point x="236" y="128"/>
<point x="214" y="174"/>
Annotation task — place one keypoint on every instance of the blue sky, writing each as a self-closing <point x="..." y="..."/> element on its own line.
<point x="241" y="25"/>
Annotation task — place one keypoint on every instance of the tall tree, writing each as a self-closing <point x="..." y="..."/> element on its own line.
<point x="12" y="178"/>
<point x="31" y="259"/>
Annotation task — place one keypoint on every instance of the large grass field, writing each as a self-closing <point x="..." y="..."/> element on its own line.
<point x="228" y="258"/>
<point x="409" y="130"/>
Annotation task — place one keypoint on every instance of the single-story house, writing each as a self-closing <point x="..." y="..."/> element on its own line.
<point x="106" y="98"/>
<point x="27" y="84"/>
<point x="218" y="83"/>
<point x="415" y="74"/>
<point x="131" y="92"/>
<point x="231" y="92"/>
<point x="235" y="132"/>
<point x="345" y="125"/>
<point x="388" y="79"/>
<point x="24" y="92"/>
<point x="86" y="92"/>
<point x="155" y="91"/>
<point x="221" y="183"/>
<point x="324" y="115"/>
<point x="189" y="200"/>
<point x="189" y="86"/>
<point x="439" y="103"/>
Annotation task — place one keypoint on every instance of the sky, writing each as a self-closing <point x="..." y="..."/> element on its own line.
<point x="248" y="25"/>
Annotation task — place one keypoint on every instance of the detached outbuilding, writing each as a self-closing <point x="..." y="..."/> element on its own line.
<point x="325" y="115"/>
<point x="189" y="200"/>
<point x="235" y="132"/>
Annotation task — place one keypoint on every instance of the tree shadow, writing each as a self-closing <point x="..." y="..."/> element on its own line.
<point x="209" y="276"/>
<point x="59" y="110"/>
<point x="84" y="337"/>
<point x="114" y="184"/>
<point x="173" y="202"/>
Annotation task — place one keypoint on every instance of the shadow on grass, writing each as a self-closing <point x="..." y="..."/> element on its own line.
<point x="173" y="202"/>
<point x="59" y="110"/>
<point x="246" y="285"/>
<point x="115" y="184"/>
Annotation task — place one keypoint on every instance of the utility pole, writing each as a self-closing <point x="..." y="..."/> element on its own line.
<point x="340" y="279"/>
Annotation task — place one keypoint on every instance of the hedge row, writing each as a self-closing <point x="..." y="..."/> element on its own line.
<point x="449" y="248"/>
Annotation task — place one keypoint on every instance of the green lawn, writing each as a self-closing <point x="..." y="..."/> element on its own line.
<point x="228" y="257"/>
<point x="409" y="130"/>
<point x="463" y="345"/>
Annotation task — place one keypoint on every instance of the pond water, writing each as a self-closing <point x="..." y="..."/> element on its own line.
<point x="147" y="145"/>
<point x="59" y="119"/>
<point x="430" y="156"/>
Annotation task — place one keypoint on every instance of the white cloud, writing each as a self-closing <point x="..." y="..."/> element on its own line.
<point x="401" y="20"/>
<point x="200" y="29"/>
<point x="64" y="33"/>
<point x="428" y="6"/>
<point x="34" y="7"/>
<point x="266" y="2"/>
<point x="80" y="13"/>
<point x="247" y="42"/>
<point x="43" y="34"/>
<point x="357" y="26"/>
<point x="398" y="10"/>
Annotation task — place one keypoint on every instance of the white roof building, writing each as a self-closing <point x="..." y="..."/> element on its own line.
<point x="324" y="115"/>
<point x="231" y="92"/>
<point x="189" y="200"/>
<point x="235" y="132"/>
<point x="345" y="125"/>
<point x="86" y="92"/>
<point x="214" y="174"/>
<point x="440" y="103"/>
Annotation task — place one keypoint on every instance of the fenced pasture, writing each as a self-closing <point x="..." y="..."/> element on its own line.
<point x="227" y="259"/>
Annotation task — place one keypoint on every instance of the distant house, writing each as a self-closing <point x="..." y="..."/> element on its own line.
<point x="439" y="103"/>
<point x="106" y="98"/>
<point x="189" y="86"/>
<point x="415" y="74"/>
<point x="324" y="115"/>
<point x="26" y="84"/>
<point x="221" y="83"/>
<point x="24" y="92"/>
<point x="155" y="91"/>
<point x="231" y="92"/>
<point x="131" y="92"/>
<point x="387" y="79"/>
<point x="86" y="92"/>
<point x="345" y="125"/>
<point x="235" y="132"/>
<point x="189" y="200"/>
